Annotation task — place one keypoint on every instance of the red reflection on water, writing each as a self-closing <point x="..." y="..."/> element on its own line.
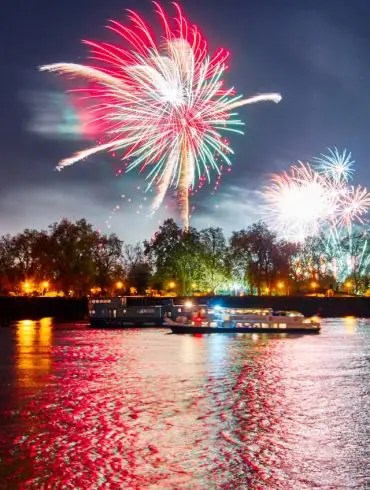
<point x="93" y="425"/>
<point x="247" y="414"/>
<point x="141" y="409"/>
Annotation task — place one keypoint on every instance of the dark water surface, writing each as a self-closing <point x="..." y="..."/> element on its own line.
<point x="98" y="409"/>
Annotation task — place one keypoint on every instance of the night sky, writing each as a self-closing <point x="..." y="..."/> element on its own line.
<point x="315" y="52"/>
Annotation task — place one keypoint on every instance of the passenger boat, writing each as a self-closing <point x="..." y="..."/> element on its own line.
<point x="243" y="320"/>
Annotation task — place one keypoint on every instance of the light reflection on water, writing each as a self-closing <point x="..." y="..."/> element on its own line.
<point x="33" y="359"/>
<point x="99" y="409"/>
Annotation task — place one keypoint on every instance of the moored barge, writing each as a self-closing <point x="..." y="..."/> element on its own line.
<point x="133" y="311"/>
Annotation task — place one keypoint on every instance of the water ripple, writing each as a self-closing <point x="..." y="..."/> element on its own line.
<point x="94" y="409"/>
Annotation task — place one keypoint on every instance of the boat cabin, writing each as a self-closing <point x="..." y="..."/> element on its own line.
<point x="294" y="314"/>
<point x="138" y="310"/>
<point x="240" y="311"/>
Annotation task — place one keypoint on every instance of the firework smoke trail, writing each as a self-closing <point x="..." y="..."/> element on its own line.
<point x="148" y="100"/>
<point x="310" y="199"/>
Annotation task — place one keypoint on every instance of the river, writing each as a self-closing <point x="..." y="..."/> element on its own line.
<point x="145" y="409"/>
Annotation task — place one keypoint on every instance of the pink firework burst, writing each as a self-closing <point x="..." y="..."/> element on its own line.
<point x="163" y="106"/>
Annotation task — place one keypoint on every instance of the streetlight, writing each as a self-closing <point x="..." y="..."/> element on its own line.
<point x="27" y="287"/>
<point x="171" y="285"/>
<point x="348" y="286"/>
<point x="283" y="288"/>
<point x="314" y="286"/>
<point x="119" y="284"/>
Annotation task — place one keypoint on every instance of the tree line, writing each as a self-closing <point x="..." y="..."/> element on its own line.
<point x="73" y="258"/>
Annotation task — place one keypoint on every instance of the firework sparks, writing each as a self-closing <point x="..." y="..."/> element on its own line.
<point x="336" y="165"/>
<point x="355" y="205"/>
<point x="307" y="199"/>
<point x="165" y="109"/>
<point x="298" y="202"/>
<point x="317" y="201"/>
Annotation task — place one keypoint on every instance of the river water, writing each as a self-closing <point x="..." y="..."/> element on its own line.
<point x="113" y="409"/>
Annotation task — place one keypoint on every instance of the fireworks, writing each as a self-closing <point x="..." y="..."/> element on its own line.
<point x="336" y="165"/>
<point x="355" y="205"/>
<point x="299" y="201"/>
<point x="164" y="107"/>
<point x="312" y="198"/>
<point x="317" y="201"/>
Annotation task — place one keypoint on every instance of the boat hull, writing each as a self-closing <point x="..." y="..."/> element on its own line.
<point x="182" y="329"/>
<point x="126" y="323"/>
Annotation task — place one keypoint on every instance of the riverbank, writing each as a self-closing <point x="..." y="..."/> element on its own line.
<point x="62" y="309"/>
<point x="71" y="309"/>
